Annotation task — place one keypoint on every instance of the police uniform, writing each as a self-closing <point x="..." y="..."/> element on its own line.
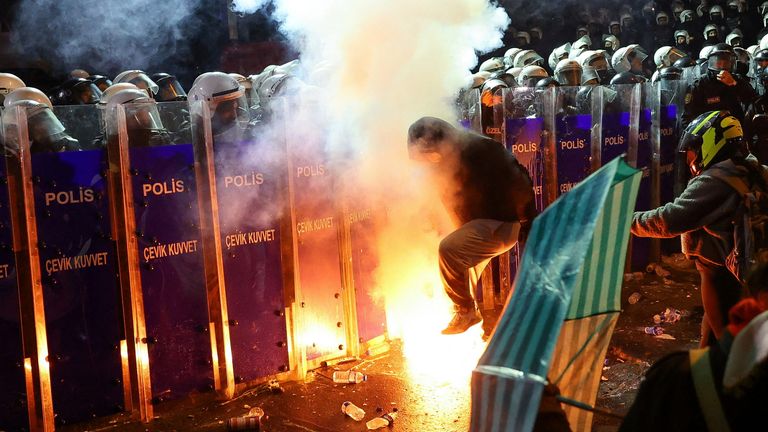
<point x="709" y="94"/>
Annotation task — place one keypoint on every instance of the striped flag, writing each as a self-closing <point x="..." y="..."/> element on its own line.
<point x="568" y="284"/>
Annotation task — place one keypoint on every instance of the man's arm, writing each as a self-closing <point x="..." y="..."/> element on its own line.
<point x="700" y="204"/>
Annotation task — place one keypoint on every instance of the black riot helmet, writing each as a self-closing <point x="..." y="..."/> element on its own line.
<point x="684" y="62"/>
<point x="169" y="88"/>
<point x="764" y="77"/>
<point x="505" y="76"/>
<point x="546" y="83"/>
<point x="761" y="59"/>
<point x="671" y="73"/>
<point x="627" y="78"/>
<point x="101" y="81"/>
<point x="76" y="91"/>
<point x="721" y="58"/>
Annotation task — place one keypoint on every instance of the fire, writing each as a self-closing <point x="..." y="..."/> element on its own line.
<point x="418" y="309"/>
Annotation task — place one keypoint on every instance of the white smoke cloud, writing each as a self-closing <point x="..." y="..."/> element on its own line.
<point x="106" y="35"/>
<point x="388" y="63"/>
<point x="247" y="6"/>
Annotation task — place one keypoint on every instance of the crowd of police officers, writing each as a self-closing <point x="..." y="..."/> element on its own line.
<point x="717" y="49"/>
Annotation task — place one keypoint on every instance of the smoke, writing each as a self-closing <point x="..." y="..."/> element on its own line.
<point x="248" y="6"/>
<point x="107" y="36"/>
<point x="384" y="64"/>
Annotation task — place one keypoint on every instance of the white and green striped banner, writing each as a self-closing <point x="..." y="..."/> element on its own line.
<point x="572" y="270"/>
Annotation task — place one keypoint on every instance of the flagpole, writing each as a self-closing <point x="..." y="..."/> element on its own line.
<point x="587" y="407"/>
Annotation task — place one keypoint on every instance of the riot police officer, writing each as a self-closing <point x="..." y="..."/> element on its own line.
<point x="756" y="122"/>
<point x="719" y="89"/>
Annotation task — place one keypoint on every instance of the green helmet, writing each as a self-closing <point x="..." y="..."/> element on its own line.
<point x="712" y="137"/>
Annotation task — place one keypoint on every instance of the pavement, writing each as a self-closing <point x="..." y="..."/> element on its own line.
<point x="426" y="404"/>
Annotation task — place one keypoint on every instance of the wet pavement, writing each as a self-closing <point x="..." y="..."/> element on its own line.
<point x="426" y="404"/>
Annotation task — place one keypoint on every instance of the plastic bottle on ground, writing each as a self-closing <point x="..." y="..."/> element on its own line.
<point x="381" y="422"/>
<point x="246" y="423"/>
<point x="655" y="330"/>
<point x="352" y="410"/>
<point x="349" y="377"/>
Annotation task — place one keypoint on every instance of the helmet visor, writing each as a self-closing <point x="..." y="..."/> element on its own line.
<point x="722" y="61"/>
<point x="170" y="90"/>
<point x="570" y="77"/>
<point x="86" y="93"/>
<point x="43" y="123"/>
<point x="229" y="113"/>
<point x="143" y="82"/>
<point x="142" y="115"/>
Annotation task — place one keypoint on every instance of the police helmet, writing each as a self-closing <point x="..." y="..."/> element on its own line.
<point x="27" y="93"/>
<point x="76" y="91"/>
<point x="505" y="76"/>
<point x="492" y="64"/>
<point x="711" y="32"/>
<point x="530" y="75"/>
<point x="721" y="58"/>
<point x="546" y="83"/>
<point x="101" y="81"/>
<point x="764" y="77"/>
<point x="667" y="56"/>
<point x="682" y="37"/>
<point x="662" y="18"/>
<point x="711" y="138"/>
<point x="139" y="78"/>
<point x="627" y="78"/>
<point x="169" y="88"/>
<point x="716" y="12"/>
<point x="528" y="58"/>
<point x="509" y="57"/>
<point x="733" y="39"/>
<point x="684" y="62"/>
<point x="568" y="73"/>
<point x="8" y="83"/>
<point x="686" y="16"/>
<point x="670" y="73"/>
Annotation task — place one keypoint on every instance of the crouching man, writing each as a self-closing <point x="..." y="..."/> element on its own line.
<point x="489" y="197"/>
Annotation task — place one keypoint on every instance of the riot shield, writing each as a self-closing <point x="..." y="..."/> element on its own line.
<point x="13" y="398"/>
<point x="27" y="125"/>
<point x="468" y="102"/>
<point x="83" y="123"/>
<point x="168" y="243"/>
<point x="251" y="201"/>
<point x="647" y="161"/>
<point x="77" y="258"/>
<point x="316" y="246"/>
<point x="573" y="136"/>
<point x="619" y="123"/>
<point x="673" y="173"/>
<point x="492" y="110"/>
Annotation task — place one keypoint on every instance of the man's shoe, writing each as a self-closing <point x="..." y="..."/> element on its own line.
<point x="462" y="320"/>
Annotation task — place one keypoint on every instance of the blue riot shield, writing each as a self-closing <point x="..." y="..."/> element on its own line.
<point x="169" y="247"/>
<point x="362" y="218"/>
<point x="573" y="137"/>
<point x="641" y="247"/>
<point x="252" y="199"/>
<point x="81" y="295"/>
<point x="13" y="398"/>
<point x="318" y="272"/>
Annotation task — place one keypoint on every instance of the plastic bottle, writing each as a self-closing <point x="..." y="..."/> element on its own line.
<point x="634" y="298"/>
<point x="349" y="377"/>
<point x="352" y="410"/>
<point x="655" y="330"/>
<point x="247" y="423"/>
<point x="383" y="421"/>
